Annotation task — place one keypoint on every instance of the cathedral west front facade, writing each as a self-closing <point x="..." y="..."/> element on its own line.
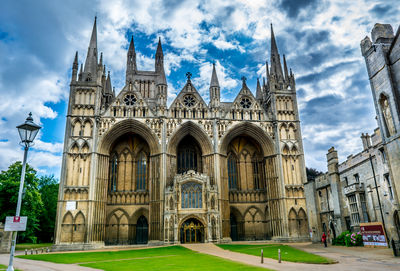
<point x="137" y="171"/>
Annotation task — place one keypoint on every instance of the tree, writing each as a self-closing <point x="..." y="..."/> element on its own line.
<point x="312" y="173"/>
<point x="32" y="205"/>
<point x="48" y="188"/>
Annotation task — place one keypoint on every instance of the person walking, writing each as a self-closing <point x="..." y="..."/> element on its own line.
<point x="323" y="239"/>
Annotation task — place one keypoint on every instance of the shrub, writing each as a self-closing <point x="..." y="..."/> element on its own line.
<point x="348" y="239"/>
<point x="340" y="240"/>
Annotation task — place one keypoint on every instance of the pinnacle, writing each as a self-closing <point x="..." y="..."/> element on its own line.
<point x="214" y="79"/>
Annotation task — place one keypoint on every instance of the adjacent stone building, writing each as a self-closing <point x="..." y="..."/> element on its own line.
<point x="135" y="170"/>
<point x="366" y="187"/>
<point x="347" y="194"/>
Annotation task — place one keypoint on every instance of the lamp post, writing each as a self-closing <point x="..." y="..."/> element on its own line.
<point x="27" y="132"/>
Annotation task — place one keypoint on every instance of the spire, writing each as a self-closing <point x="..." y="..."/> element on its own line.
<point x="159" y="61"/>
<point x="159" y="48"/>
<point x="131" y="61"/>
<point x="285" y="68"/>
<point x="75" y="68"/>
<point x="159" y="64"/>
<point x="267" y="69"/>
<point x="108" y="85"/>
<point x="80" y="73"/>
<point x="214" y="79"/>
<point x="258" y="92"/>
<point x="91" y="58"/>
<point x="276" y="68"/>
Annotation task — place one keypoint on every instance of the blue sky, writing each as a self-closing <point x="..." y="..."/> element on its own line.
<point x="321" y="40"/>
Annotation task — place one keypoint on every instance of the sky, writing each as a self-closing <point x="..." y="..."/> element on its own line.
<point x="321" y="41"/>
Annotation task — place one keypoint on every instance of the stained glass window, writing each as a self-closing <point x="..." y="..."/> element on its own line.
<point x="191" y="195"/>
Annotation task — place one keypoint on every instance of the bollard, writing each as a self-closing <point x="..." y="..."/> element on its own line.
<point x="262" y="256"/>
<point x="31" y="251"/>
<point x="26" y="251"/>
<point x="279" y="255"/>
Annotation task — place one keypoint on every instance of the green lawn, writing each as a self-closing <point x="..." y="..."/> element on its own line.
<point x="288" y="253"/>
<point x="24" y="246"/>
<point x="162" y="258"/>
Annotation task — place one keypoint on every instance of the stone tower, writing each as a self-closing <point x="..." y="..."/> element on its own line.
<point x="382" y="56"/>
<point x="136" y="170"/>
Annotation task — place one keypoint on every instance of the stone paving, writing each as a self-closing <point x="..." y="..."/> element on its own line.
<point x="355" y="258"/>
<point x="348" y="258"/>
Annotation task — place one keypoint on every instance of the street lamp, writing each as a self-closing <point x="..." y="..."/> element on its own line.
<point x="27" y="131"/>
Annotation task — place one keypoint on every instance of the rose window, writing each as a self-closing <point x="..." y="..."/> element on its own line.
<point x="245" y="103"/>
<point x="130" y="99"/>
<point x="189" y="101"/>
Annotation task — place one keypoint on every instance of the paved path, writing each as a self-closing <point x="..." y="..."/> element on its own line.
<point x="30" y="265"/>
<point x="347" y="259"/>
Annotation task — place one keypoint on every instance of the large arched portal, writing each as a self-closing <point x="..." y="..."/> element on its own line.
<point x="192" y="231"/>
<point x="129" y="165"/>
<point x="249" y="184"/>
<point x="189" y="156"/>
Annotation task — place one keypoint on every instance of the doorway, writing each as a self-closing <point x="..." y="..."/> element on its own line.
<point x="192" y="231"/>
<point x="142" y="230"/>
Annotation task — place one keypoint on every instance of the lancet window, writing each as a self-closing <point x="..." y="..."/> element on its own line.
<point x="141" y="172"/>
<point x="113" y="173"/>
<point x="191" y="195"/>
<point x="232" y="171"/>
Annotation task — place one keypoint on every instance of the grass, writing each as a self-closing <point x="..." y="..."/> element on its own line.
<point x="288" y="253"/>
<point x="3" y="267"/>
<point x="23" y="246"/>
<point x="162" y="258"/>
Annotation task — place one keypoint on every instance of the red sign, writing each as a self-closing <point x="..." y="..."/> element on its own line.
<point x="373" y="234"/>
<point x="17" y="219"/>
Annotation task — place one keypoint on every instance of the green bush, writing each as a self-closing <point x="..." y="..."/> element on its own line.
<point x="340" y="240"/>
<point x="348" y="239"/>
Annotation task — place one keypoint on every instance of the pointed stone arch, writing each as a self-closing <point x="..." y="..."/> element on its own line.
<point x="292" y="217"/>
<point x="87" y="127"/>
<point x="76" y="126"/>
<point x="251" y="130"/>
<point x="117" y="227"/>
<point x="79" y="228"/>
<point x="67" y="227"/>
<point x="303" y="222"/>
<point x="125" y="127"/>
<point x="194" y="130"/>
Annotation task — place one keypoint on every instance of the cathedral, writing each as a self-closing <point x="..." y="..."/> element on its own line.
<point x="137" y="171"/>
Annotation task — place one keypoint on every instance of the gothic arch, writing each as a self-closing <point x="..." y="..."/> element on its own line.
<point x="127" y="126"/>
<point x="292" y="222"/>
<point x="303" y="225"/>
<point x="76" y="127"/>
<point x="190" y="128"/>
<point x="79" y="228"/>
<point x="67" y="227"/>
<point x="251" y="130"/>
<point x="192" y="216"/>
<point x="258" y="211"/>
<point x="138" y="213"/>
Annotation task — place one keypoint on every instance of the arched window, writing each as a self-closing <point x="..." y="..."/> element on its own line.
<point x="256" y="174"/>
<point x="141" y="172"/>
<point x="232" y="171"/>
<point x="189" y="156"/>
<point x="113" y="173"/>
<point x="191" y="195"/>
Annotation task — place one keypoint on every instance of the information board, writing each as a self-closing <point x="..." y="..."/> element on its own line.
<point x="15" y="223"/>
<point x="71" y="205"/>
<point x="373" y="234"/>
